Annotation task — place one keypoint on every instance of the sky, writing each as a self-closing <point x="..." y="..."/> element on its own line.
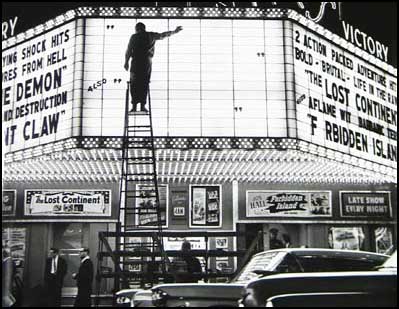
<point x="376" y="18"/>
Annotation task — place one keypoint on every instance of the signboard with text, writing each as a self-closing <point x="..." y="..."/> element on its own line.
<point x="343" y="102"/>
<point x="366" y="204"/>
<point x="179" y="204"/>
<point x="37" y="89"/>
<point x="175" y="243"/>
<point x="263" y="203"/>
<point x="67" y="202"/>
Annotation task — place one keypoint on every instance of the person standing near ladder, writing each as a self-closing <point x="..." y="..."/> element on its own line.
<point x="141" y="50"/>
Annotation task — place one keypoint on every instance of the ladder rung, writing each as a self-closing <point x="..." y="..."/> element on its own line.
<point x="139" y="196"/>
<point x="140" y="144"/>
<point x="147" y="212"/>
<point x="139" y="179"/>
<point x="138" y="113"/>
<point x="141" y="147"/>
<point x="141" y="190"/>
<point x="138" y="131"/>
<point x="142" y="228"/>
<point x="146" y="126"/>
<point x="140" y="174"/>
<point x="147" y="207"/>
<point x="140" y="158"/>
<point x="138" y="163"/>
<point x="141" y="207"/>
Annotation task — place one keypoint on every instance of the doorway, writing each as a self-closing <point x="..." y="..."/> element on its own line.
<point x="69" y="238"/>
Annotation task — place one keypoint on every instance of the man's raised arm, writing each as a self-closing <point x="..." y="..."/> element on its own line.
<point x="169" y="33"/>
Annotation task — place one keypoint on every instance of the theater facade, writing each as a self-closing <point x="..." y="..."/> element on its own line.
<point x="262" y="119"/>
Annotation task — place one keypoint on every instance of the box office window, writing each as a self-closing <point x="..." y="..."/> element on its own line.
<point x="69" y="238"/>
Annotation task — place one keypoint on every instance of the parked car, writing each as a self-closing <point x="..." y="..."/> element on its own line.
<point x="124" y="297"/>
<point x="377" y="288"/>
<point x="290" y="260"/>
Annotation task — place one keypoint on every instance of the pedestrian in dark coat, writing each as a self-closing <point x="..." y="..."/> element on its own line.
<point x="84" y="279"/>
<point x="54" y="273"/>
<point x="8" y="299"/>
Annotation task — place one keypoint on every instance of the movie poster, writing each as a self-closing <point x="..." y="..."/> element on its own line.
<point x="14" y="241"/>
<point x="264" y="203"/>
<point x="9" y="202"/>
<point x="347" y="238"/>
<point x="383" y="240"/>
<point x="147" y="203"/>
<point x="205" y="206"/>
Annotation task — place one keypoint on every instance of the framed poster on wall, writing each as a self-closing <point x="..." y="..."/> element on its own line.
<point x="346" y="238"/>
<point x="9" y="203"/>
<point x="285" y="203"/>
<point x="383" y="240"/>
<point x="205" y="206"/>
<point x="148" y="203"/>
<point x="14" y="242"/>
<point x="179" y="201"/>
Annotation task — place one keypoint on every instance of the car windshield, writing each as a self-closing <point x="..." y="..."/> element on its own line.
<point x="258" y="262"/>
<point x="392" y="262"/>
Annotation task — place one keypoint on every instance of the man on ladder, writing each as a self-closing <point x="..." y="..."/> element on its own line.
<point x="141" y="50"/>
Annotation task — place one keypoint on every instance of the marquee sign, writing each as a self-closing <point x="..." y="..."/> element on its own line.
<point x="264" y="203"/>
<point x="343" y="102"/>
<point x="211" y="79"/>
<point x="37" y="89"/>
<point x="67" y="203"/>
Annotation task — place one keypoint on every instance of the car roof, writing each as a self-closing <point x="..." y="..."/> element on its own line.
<point x="324" y="274"/>
<point x="327" y="252"/>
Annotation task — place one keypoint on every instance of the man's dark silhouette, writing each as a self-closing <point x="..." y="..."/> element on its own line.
<point x="187" y="268"/>
<point x="141" y="49"/>
<point x="84" y="279"/>
<point x="55" y="271"/>
<point x="275" y="243"/>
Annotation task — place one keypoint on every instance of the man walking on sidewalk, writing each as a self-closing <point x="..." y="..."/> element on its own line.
<point x="84" y="280"/>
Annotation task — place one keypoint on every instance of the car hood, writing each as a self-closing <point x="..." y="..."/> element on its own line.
<point x="198" y="290"/>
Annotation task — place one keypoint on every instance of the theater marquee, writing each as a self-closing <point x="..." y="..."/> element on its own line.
<point x="37" y="89"/>
<point x="344" y="103"/>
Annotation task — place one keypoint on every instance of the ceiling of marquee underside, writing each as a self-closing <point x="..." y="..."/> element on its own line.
<point x="196" y="166"/>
